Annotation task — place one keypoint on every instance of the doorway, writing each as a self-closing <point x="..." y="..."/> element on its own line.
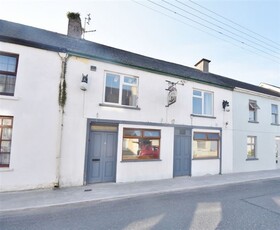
<point x="102" y="154"/>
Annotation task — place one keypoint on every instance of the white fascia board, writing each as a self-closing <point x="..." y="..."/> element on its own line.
<point x="250" y="92"/>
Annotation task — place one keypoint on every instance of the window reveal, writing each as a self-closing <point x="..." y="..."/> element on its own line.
<point x="8" y="72"/>
<point x="6" y="126"/>
<point x="253" y="107"/>
<point x="140" y="144"/>
<point x="205" y="145"/>
<point x="120" y="89"/>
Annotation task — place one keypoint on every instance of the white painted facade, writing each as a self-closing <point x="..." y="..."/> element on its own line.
<point x="44" y="150"/>
<point x="265" y="132"/>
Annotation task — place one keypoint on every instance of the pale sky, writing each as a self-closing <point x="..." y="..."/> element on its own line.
<point x="240" y="37"/>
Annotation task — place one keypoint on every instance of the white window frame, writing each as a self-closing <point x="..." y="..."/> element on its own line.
<point x="202" y="97"/>
<point x="122" y="83"/>
<point x="254" y="144"/>
<point x="274" y="115"/>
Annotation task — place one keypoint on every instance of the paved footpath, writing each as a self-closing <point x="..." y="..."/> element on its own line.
<point x="12" y="201"/>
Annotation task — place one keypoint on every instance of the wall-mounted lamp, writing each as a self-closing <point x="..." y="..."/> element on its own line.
<point x="84" y="82"/>
<point x="226" y="106"/>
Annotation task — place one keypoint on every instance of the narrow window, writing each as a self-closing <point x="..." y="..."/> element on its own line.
<point x="121" y="89"/>
<point x="205" y="145"/>
<point x="251" y="147"/>
<point x="8" y="72"/>
<point x="253" y="108"/>
<point x="274" y="114"/>
<point x="140" y="144"/>
<point x="6" y="126"/>
<point x="202" y="103"/>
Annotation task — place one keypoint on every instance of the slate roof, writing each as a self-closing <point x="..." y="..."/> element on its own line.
<point x="43" y="39"/>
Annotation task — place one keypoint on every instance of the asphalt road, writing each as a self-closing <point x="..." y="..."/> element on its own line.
<point x="254" y="205"/>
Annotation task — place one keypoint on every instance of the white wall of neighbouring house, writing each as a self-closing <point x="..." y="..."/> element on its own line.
<point x="263" y="130"/>
<point x="35" y="110"/>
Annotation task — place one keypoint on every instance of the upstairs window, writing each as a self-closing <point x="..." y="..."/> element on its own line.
<point x="8" y="72"/>
<point x="274" y="114"/>
<point x="121" y="90"/>
<point x="202" y="103"/>
<point x="253" y="108"/>
<point x="6" y="126"/>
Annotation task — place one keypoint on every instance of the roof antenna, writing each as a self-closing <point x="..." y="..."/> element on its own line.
<point x="87" y="21"/>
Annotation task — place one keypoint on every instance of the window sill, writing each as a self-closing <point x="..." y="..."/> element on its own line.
<point x="6" y="169"/>
<point x="119" y="106"/>
<point x="142" y="160"/>
<point x="255" y="122"/>
<point x="275" y="124"/>
<point x="203" y="116"/>
<point x="206" y="158"/>
<point x="4" y="97"/>
<point x="252" y="159"/>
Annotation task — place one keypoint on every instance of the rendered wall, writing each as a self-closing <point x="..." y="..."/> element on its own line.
<point x="263" y="130"/>
<point x="35" y="111"/>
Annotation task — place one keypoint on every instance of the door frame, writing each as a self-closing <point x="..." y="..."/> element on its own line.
<point x="89" y="124"/>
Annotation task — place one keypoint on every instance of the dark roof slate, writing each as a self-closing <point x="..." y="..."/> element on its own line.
<point x="43" y="39"/>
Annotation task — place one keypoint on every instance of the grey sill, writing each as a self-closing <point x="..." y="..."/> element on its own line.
<point x="256" y="122"/>
<point x="275" y="124"/>
<point x="203" y="116"/>
<point x="142" y="160"/>
<point x="252" y="159"/>
<point x="119" y="106"/>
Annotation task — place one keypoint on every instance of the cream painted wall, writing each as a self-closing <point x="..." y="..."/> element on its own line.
<point x="35" y="111"/>
<point x="263" y="130"/>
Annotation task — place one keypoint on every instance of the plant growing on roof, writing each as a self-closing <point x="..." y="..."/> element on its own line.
<point x="72" y="15"/>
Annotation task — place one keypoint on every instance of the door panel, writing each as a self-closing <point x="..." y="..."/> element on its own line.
<point x="182" y="155"/>
<point x="101" y="162"/>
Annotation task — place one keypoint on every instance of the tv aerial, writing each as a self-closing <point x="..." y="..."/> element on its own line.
<point x="87" y="22"/>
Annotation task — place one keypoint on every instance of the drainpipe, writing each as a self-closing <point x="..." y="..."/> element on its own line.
<point x="62" y="100"/>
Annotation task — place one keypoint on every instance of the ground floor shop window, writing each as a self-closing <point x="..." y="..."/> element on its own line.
<point x="251" y="147"/>
<point x="6" y="125"/>
<point x="140" y="144"/>
<point x="205" y="145"/>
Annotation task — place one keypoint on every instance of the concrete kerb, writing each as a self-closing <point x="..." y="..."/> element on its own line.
<point x="17" y="201"/>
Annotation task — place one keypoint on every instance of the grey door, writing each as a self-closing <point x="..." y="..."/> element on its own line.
<point x="182" y="152"/>
<point x="101" y="161"/>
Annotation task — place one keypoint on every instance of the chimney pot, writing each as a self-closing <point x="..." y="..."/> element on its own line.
<point x="74" y="25"/>
<point x="203" y="65"/>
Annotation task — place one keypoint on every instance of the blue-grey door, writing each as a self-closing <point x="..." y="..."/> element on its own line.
<point x="182" y="152"/>
<point x="101" y="161"/>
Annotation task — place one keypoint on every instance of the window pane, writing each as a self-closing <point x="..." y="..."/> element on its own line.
<point x="112" y="88"/>
<point x="151" y="133"/>
<point x="208" y="103"/>
<point x="197" y="105"/>
<point x="132" y="133"/>
<point x="7" y="84"/>
<point x="274" y="109"/>
<point x="5" y="146"/>
<point x="6" y="134"/>
<point x="134" y="149"/>
<point x="213" y="136"/>
<point x="252" y="115"/>
<point x="205" y="149"/>
<point x="129" y="95"/>
<point x="7" y="121"/>
<point x="4" y="158"/>
<point x="197" y="93"/>
<point x="200" y="136"/>
<point x="130" y="80"/>
<point x="8" y="63"/>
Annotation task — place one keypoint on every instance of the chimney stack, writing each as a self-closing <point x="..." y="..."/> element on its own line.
<point x="74" y="25"/>
<point x="203" y="65"/>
